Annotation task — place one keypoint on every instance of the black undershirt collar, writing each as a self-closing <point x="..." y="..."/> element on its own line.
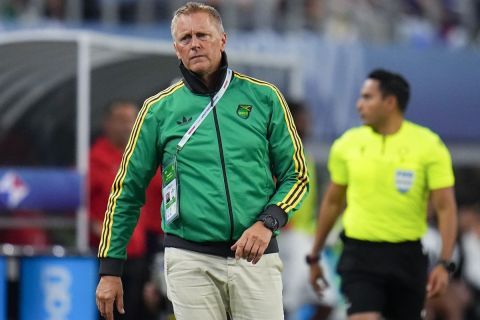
<point x="196" y="85"/>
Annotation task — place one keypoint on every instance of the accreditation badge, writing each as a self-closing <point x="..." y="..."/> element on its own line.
<point x="170" y="190"/>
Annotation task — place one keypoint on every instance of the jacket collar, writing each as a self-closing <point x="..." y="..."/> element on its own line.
<point x="195" y="84"/>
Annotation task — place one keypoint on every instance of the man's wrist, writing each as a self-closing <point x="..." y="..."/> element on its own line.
<point x="312" y="258"/>
<point x="448" y="265"/>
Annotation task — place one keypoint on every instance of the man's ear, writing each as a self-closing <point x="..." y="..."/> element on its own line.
<point x="392" y="102"/>
<point x="224" y="41"/>
<point x="176" y="51"/>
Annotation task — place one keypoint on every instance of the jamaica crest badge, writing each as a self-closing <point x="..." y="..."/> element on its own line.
<point x="243" y="110"/>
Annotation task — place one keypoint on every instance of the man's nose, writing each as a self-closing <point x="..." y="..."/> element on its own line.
<point x="195" y="42"/>
<point x="359" y="105"/>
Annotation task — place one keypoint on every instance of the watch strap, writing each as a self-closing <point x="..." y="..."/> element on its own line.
<point x="447" y="264"/>
<point x="278" y="213"/>
<point x="312" y="259"/>
<point x="269" y="221"/>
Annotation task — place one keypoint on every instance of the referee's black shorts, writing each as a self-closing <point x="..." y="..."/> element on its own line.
<point x="389" y="278"/>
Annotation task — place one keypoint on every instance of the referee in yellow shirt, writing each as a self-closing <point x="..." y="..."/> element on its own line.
<point x="382" y="177"/>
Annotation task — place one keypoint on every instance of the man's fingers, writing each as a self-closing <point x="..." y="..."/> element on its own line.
<point x="317" y="280"/>
<point x="101" y="308"/>
<point x="431" y="293"/>
<point x="314" y="282"/>
<point x="253" y="253"/>
<point x="436" y="289"/>
<point x="325" y="283"/>
<point x="108" y="309"/>
<point x="252" y="244"/>
<point x="98" y="305"/>
<point x="432" y="288"/>
<point x="259" y="255"/>
<point x="437" y="283"/>
<point x="120" y="308"/>
<point x="316" y="287"/>
<point x="102" y="305"/>
<point x="248" y="249"/>
<point x="109" y="291"/>
<point x="322" y="284"/>
<point x="238" y="247"/>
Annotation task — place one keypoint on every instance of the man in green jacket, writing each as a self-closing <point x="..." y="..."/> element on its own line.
<point x="220" y="138"/>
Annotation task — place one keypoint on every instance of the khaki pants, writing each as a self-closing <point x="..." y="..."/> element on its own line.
<point x="207" y="287"/>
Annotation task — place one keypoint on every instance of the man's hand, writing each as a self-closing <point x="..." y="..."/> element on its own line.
<point x="437" y="282"/>
<point x="253" y="243"/>
<point x="109" y="290"/>
<point x="316" y="275"/>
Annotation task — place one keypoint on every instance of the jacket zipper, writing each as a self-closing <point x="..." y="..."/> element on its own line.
<point x="224" y="171"/>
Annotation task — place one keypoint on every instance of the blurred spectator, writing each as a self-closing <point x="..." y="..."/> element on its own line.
<point x="55" y="10"/>
<point x="339" y="23"/>
<point x="298" y="15"/>
<point x="11" y="10"/>
<point x="374" y="19"/>
<point x="105" y="158"/>
<point x="468" y="190"/>
<point x="455" y="23"/>
<point x="25" y="11"/>
<point x="90" y="11"/>
<point x="314" y="11"/>
<point x="120" y="11"/>
<point x="470" y="240"/>
<point x="248" y="14"/>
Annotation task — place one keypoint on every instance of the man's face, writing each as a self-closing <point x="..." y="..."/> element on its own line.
<point x="120" y="123"/>
<point x="199" y="43"/>
<point x="371" y="104"/>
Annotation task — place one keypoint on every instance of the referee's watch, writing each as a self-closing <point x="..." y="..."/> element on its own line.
<point x="447" y="265"/>
<point x="309" y="259"/>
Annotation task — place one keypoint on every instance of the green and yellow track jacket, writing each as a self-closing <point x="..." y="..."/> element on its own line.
<point x="225" y="171"/>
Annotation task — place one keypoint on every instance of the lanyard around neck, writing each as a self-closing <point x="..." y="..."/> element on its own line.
<point x="206" y="111"/>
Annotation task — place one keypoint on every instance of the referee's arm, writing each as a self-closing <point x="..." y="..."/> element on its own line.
<point x="443" y="201"/>
<point x="332" y="206"/>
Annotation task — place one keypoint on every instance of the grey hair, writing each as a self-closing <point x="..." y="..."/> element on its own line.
<point x="193" y="7"/>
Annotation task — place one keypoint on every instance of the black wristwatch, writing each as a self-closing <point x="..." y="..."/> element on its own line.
<point x="270" y="222"/>
<point x="309" y="259"/>
<point x="448" y="265"/>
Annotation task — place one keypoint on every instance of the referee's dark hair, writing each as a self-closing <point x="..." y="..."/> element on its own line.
<point x="392" y="84"/>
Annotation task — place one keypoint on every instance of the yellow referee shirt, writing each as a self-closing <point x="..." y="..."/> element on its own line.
<point x="389" y="179"/>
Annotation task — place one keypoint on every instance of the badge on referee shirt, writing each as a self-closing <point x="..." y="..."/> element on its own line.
<point x="404" y="179"/>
